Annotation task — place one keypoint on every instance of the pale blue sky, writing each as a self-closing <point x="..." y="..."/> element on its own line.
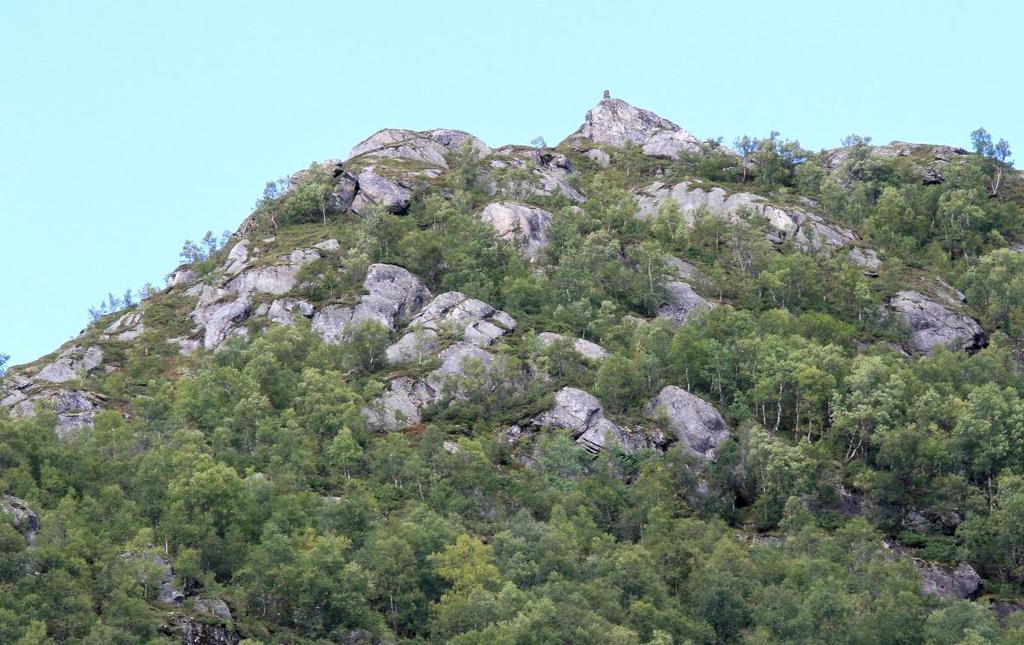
<point x="126" y="127"/>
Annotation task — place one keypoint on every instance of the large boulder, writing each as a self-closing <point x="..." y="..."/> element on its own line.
<point x="680" y="302"/>
<point x="429" y="147"/>
<point x="376" y="190"/>
<point x="613" y="122"/>
<point x="127" y="327"/>
<point x="392" y="296"/>
<point x="21" y="516"/>
<point x="72" y="363"/>
<point x="933" y="325"/>
<point x="960" y="582"/>
<point x="694" y="422"/>
<point x="221" y="319"/>
<point x="524" y="224"/>
<point x="582" y="415"/>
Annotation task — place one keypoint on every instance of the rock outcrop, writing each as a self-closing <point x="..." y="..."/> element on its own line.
<point x="582" y="415"/>
<point x="585" y="348"/>
<point x="376" y="190"/>
<point x="680" y="302"/>
<point x="694" y="422"/>
<point x="524" y="224"/>
<point x="74" y="409"/>
<point x="546" y="172"/>
<point x="127" y="327"/>
<point x="21" y="516"/>
<point x="428" y="147"/>
<point x="613" y="122"/>
<point x="807" y="230"/>
<point x="960" y="582"/>
<point x="933" y="325"/>
<point x="72" y="363"/>
<point x="461" y="316"/>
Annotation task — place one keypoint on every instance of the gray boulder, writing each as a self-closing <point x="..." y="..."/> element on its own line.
<point x="21" y="516"/>
<point x="960" y="582"/>
<point x="127" y="327"/>
<point x="282" y="311"/>
<point x="694" y="422"/>
<point x="474" y="320"/>
<point x="581" y="414"/>
<point x="598" y="156"/>
<point x="414" y="347"/>
<point x="524" y="224"/>
<point x="585" y="348"/>
<point x="548" y="172"/>
<point x="392" y="296"/>
<point x="221" y="319"/>
<point x="238" y="256"/>
<point x="74" y="409"/>
<point x="375" y="190"/>
<point x="154" y="563"/>
<point x="613" y="122"/>
<point x="212" y="607"/>
<point x="399" y="407"/>
<point x="72" y="363"/>
<point x="182" y="277"/>
<point x="933" y="325"/>
<point x="680" y="302"/>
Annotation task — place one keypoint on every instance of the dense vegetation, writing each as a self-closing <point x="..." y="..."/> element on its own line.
<point x="253" y="469"/>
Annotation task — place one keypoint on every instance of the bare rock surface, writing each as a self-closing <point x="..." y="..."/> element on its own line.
<point x="72" y="363"/>
<point x="392" y="296"/>
<point x="933" y="325"/>
<point x="473" y="320"/>
<point x="21" y="516"/>
<point x="694" y="422"/>
<point x="524" y="224"/>
<point x="585" y="348"/>
<point x="548" y="172"/>
<point x="681" y="302"/>
<point x="959" y="582"/>
<point x="613" y="122"/>
<point x="582" y="415"/>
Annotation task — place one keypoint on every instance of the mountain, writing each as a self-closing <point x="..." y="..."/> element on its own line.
<point x="637" y="387"/>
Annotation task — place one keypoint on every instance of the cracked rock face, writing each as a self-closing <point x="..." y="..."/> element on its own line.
<point x="613" y="122"/>
<point x="581" y="414"/>
<point x="933" y="325"/>
<point x="694" y="422"/>
<point x="74" y="409"/>
<point x="524" y="224"/>
<point x="549" y="172"/>
<point x="72" y="363"/>
<point x="219" y="320"/>
<point x="392" y="296"/>
<point x="475" y="320"/>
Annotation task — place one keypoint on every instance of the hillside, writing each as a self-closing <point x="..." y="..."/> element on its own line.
<point x="637" y="387"/>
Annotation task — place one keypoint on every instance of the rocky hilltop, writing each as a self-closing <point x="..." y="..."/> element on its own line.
<point x="640" y="294"/>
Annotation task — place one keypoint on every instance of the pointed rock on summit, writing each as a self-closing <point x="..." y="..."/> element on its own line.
<point x="613" y="122"/>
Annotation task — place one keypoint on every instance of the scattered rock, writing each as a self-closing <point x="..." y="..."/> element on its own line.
<point x="21" y="516"/>
<point x="585" y="348"/>
<point x="693" y="421"/>
<point x="525" y="224"/>
<point x="933" y="325"/>
<point x="72" y="363"/>
<point x="549" y="172"/>
<point x="613" y="122"/>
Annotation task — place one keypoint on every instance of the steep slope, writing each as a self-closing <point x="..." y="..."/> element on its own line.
<point x="412" y="367"/>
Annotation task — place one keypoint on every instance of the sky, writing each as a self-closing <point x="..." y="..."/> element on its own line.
<point x="128" y="127"/>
